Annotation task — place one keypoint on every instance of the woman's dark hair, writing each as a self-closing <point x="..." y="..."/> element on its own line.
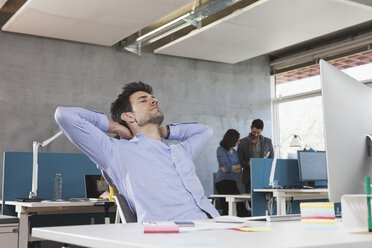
<point x="122" y="103"/>
<point x="229" y="139"/>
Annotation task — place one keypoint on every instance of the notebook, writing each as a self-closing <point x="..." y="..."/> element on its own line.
<point x="95" y="185"/>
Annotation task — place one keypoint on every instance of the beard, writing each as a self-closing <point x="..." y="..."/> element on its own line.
<point x="253" y="136"/>
<point x="152" y="118"/>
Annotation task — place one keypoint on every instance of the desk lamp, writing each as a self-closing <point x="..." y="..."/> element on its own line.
<point x="296" y="142"/>
<point x="35" y="166"/>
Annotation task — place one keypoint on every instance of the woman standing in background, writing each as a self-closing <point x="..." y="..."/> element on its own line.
<point x="229" y="165"/>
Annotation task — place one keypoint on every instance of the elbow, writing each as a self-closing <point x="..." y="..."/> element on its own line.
<point x="209" y="132"/>
<point x="60" y="115"/>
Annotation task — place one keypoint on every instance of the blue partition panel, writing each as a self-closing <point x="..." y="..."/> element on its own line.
<point x="286" y="173"/>
<point x="17" y="175"/>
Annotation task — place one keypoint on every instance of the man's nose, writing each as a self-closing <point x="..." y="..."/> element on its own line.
<point x="154" y="101"/>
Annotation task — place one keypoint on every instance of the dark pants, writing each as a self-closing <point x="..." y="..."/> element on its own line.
<point x="229" y="187"/>
<point x="247" y="187"/>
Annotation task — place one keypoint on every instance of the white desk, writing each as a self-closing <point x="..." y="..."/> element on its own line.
<point x="288" y="234"/>
<point x="281" y="195"/>
<point x="25" y="209"/>
<point x="232" y="200"/>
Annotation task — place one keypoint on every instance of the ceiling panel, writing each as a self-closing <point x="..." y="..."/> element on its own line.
<point x="266" y="26"/>
<point x="91" y="21"/>
<point x="2" y="2"/>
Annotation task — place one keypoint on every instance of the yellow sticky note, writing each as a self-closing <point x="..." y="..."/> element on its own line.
<point x="255" y="229"/>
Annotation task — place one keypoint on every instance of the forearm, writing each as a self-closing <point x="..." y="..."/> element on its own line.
<point x="193" y="137"/>
<point x="184" y="131"/>
<point x="226" y="167"/>
<point x="164" y="131"/>
<point x="236" y="168"/>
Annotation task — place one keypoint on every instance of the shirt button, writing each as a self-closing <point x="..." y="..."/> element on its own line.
<point x="173" y="158"/>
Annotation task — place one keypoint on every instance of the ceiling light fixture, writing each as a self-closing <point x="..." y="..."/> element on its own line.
<point x="193" y="17"/>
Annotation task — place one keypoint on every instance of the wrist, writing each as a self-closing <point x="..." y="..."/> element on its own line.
<point x="113" y="127"/>
<point x="168" y="132"/>
<point x="164" y="131"/>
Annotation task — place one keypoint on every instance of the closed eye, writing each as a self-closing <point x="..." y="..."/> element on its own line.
<point x="145" y="98"/>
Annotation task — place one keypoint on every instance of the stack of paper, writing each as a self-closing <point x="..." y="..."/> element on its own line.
<point x="318" y="215"/>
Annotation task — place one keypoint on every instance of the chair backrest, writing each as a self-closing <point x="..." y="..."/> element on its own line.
<point x="239" y="183"/>
<point x="123" y="210"/>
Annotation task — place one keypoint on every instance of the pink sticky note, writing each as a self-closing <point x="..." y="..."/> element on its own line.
<point x="160" y="229"/>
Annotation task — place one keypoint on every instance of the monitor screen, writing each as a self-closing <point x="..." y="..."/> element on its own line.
<point x="312" y="166"/>
<point x="95" y="185"/>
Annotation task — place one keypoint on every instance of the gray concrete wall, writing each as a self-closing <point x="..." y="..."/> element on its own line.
<point x="39" y="74"/>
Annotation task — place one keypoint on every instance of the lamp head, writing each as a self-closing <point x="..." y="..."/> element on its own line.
<point x="296" y="141"/>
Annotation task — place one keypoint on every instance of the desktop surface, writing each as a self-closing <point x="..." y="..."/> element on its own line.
<point x="50" y="203"/>
<point x="286" y="234"/>
<point x="303" y="190"/>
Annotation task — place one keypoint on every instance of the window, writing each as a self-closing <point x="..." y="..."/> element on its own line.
<point x="304" y="118"/>
<point x="298" y="106"/>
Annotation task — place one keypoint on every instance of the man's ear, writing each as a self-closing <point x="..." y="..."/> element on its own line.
<point x="128" y="117"/>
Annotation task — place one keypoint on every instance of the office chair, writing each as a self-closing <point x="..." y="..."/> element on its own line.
<point x="123" y="212"/>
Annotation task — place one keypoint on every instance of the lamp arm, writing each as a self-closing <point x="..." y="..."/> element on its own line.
<point x="281" y="143"/>
<point x="272" y="172"/>
<point x="35" y="166"/>
<point x="46" y="142"/>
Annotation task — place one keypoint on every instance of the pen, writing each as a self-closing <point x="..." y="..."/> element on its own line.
<point x="368" y="192"/>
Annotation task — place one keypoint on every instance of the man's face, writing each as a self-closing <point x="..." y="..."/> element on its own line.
<point x="255" y="132"/>
<point x="145" y="108"/>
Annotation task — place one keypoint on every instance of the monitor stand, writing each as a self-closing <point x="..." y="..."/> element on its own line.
<point x="311" y="184"/>
<point x="314" y="185"/>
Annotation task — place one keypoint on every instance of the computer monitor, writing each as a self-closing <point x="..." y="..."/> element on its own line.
<point x="312" y="167"/>
<point x="95" y="185"/>
<point x="347" y="111"/>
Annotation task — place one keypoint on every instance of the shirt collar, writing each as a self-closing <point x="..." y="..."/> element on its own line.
<point x="139" y="136"/>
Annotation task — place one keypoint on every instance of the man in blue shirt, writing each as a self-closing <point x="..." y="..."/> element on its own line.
<point x="158" y="179"/>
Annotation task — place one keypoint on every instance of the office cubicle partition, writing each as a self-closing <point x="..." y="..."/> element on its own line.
<point x="17" y="179"/>
<point x="286" y="173"/>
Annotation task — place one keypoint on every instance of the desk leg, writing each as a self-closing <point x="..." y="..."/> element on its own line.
<point x="280" y="204"/>
<point x="23" y="227"/>
<point x="232" y="206"/>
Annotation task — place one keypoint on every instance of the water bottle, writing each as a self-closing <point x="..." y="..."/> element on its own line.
<point x="58" y="187"/>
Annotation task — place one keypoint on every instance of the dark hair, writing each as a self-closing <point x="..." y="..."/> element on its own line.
<point x="122" y="103"/>
<point x="258" y="124"/>
<point x="229" y="139"/>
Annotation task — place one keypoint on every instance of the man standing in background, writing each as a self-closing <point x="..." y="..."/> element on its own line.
<point x="253" y="146"/>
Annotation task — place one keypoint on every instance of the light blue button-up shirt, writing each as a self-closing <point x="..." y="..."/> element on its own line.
<point x="158" y="179"/>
